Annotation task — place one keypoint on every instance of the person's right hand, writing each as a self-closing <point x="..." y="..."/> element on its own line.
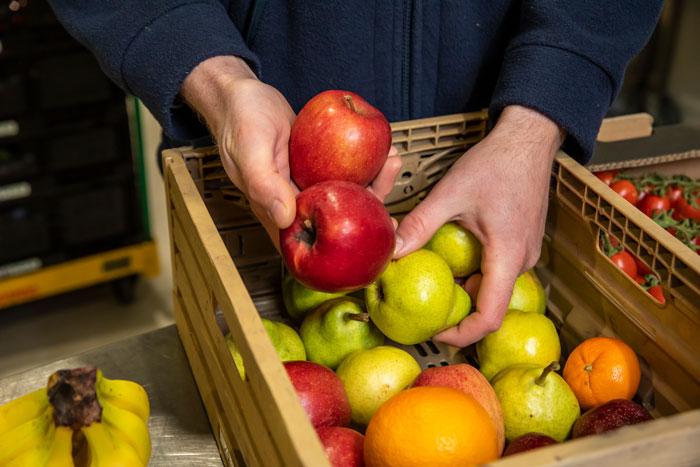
<point x="251" y="122"/>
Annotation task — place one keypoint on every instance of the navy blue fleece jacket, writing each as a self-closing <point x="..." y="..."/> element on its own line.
<point x="409" y="58"/>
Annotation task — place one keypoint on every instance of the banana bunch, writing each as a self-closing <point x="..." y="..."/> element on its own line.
<point x="81" y="419"/>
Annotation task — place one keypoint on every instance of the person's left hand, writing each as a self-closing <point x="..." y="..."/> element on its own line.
<point x="498" y="191"/>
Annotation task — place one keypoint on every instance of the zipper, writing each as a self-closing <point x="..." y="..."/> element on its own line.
<point x="406" y="60"/>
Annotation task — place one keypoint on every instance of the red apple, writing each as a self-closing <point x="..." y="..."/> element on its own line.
<point x="528" y="442"/>
<point x="609" y="416"/>
<point x="469" y="380"/>
<point x="341" y="239"/>
<point x="338" y="136"/>
<point x="344" y="446"/>
<point x="321" y="392"/>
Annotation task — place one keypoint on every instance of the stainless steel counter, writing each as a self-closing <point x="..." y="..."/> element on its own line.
<point x="180" y="431"/>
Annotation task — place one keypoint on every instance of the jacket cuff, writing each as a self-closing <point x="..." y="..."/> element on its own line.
<point x="168" y="49"/>
<point x="568" y="88"/>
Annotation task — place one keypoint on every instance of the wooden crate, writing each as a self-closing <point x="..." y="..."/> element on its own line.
<point x="260" y="422"/>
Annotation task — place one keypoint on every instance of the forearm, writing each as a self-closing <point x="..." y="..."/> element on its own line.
<point x="529" y="129"/>
<point x="205" y="87"/>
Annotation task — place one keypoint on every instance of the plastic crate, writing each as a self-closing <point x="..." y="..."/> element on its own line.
<point x="260" y="421"/>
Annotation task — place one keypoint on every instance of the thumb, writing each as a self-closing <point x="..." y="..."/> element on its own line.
<point x="267" y="188"/>
<point x="417" y="227"/>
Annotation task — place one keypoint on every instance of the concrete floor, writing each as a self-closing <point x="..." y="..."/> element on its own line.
<point x="55" y="328"/>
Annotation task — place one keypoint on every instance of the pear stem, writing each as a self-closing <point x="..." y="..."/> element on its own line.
<point x="554" y="366"/>
<point x="364" y="317"/>
<point x="348" y="101"/>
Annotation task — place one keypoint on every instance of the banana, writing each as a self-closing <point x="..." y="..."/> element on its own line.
<point x="37" y="456"/>
<point x="126" y="395"/>
<point x="107" y="450"/>
<point x="61" y="451"/>
<point x="26" y="436"/>
<point x="22" y="409"/>
<point x="129" y="427"/>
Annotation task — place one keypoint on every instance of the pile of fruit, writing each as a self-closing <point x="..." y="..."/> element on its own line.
<point x="370" y="403"/>
<point x="79" y="419"/>
<point x="672" y="201"/>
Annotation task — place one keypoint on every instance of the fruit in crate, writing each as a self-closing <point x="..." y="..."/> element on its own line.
<point x="430" y="426"/>
<point x="372" y="376"/>
<point x="609" y="416"/>
<point x="321" y="393"/>
<point x="535" y="398"/>
<point x="528" y="442"/>
<point x="284" y="338"/>
<point x="299" y="300"/>
<point x="460" y="249"/>
<point x="37" y="429"/>
<point x="470" y="381"/>
<point x="601" y="369"/>
<point x="415" y="298"/>
<point x="528" y="294"/>
<point x="338" y="136"/>
<point x="524" y="337"/>
<point x="344" y="447"/>
<point x="342" y="237"/>
<point x="336" y="329"/>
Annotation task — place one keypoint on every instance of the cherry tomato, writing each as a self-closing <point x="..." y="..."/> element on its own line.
<point x="642" y="194"/>
<point x="626" y="189"/>
<point x="674" y="193"/>
<point x="625" y="261"/>
<point x="685" y="210"/>
<point x="657" y="293"/>
<point x="642" y="269"/>
<point x="640" y="280"/>
<point x="606" y="176"/>
<point x="653" y="203"/>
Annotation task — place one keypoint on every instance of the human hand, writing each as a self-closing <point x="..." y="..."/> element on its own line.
<point x="251" y="122"/>
<point x="498" y="191"/>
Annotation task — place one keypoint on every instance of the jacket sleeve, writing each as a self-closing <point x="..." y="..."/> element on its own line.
<point x="149" y="47"/>
<point x="568" y="59"/>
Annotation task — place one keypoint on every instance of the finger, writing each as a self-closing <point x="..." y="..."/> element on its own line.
<point x="416" y="228"/>
<point x="394" y="222"/>
<point x="472" y="285"/>
<point x="499" y="274"/>
<point x="383" y="183"/>
<point x="264" y="185"/>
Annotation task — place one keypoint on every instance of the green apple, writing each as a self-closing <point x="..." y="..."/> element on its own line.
<point x="299" y="299"/>
<point x="523" y="338"/>
<point x="413" y="298"/>
<point x="458" y="247"/>
<point x="374" y="375"/>
<point x="535" y="399"/>
<point x="528" y="293"/>
<point x="335" y="329"/>
<point x="285" y="339"/>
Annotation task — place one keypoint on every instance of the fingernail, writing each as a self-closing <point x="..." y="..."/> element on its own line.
<point x="399" y="244"/>
<point x="276" y="211"/>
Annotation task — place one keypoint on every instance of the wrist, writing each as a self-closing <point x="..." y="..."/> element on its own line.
<point x="206" y="87"/>
<point x="524" y="125"/>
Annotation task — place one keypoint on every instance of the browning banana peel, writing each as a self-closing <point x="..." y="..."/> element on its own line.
<point x="42" y="428"/>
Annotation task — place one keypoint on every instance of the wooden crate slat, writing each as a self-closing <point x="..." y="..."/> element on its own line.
<point x="283" y="412"/>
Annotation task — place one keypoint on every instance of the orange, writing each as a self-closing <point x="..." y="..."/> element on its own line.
<point x="601" y="369"/>
<point x="430" y="426"/>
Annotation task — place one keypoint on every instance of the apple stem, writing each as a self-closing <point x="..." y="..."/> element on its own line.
<point x="554" y="366"/>
<point x="364" y="317"/>
<point x="307" y="224"/>
<point x="348" y="101"/>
